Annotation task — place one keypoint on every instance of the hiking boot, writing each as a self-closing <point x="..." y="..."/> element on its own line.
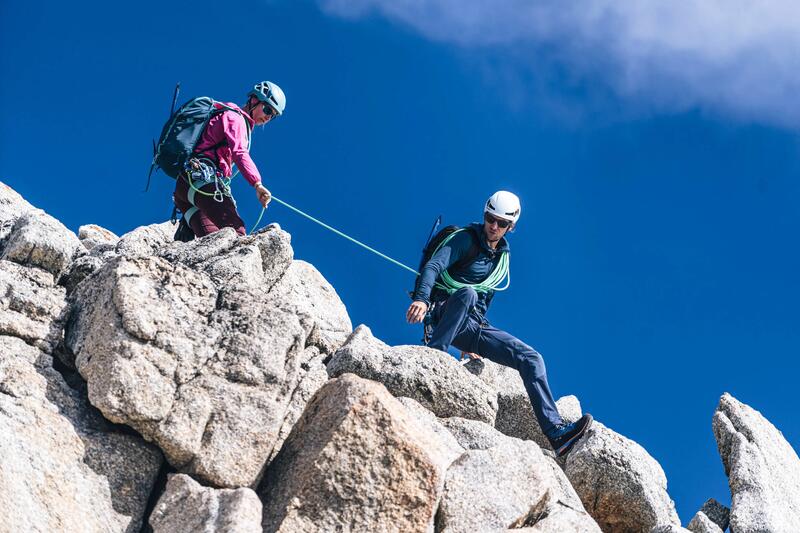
<point x="564" y="436"/>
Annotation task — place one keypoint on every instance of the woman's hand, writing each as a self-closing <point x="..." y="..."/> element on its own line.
<point x="263" y="194"/>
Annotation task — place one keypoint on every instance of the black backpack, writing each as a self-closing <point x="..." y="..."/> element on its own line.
<point x="434" y="243"/>
<point x="182" y="132"/>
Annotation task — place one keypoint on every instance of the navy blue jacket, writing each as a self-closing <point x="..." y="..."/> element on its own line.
<point x="475" y="272"/>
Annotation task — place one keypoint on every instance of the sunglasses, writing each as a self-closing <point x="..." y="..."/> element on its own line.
<point x="501" y="222"/>
<point x="269" y="111"/>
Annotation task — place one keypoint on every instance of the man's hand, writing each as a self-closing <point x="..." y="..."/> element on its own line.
<point x="264" y="196"/>
<point x="416" y="312"/>
<point x="471" y="355"/>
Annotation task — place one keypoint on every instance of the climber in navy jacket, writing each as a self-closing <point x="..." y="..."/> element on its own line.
<point x="453" y="294"/>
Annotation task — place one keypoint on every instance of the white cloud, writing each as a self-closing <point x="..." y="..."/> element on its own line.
<point x="735" y="57"/>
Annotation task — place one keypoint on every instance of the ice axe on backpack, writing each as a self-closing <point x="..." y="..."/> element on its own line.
<point x="155" y="149"/>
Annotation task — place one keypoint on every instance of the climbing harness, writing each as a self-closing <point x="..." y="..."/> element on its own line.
<point x="199" y="172"/>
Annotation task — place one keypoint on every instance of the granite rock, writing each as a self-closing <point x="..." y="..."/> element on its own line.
<point x="181" y="348"/>
<point x="188" y="507"/>
<point x="511" y="485"/>
<point x="620" y="484"/>
<point x="762" y="467"/>
<point x="355" y="461"/>
<point x="39" y="240"/>
<point x="32" y="307"/>
<point x="62" y="466"/>
<point x="431" y="377"/>
<point x="92" y="235"/>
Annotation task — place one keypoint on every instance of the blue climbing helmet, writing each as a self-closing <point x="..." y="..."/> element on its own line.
<point x="270" y="94"/>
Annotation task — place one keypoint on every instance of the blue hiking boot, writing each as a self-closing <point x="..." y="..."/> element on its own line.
<point x="564" y="436"/>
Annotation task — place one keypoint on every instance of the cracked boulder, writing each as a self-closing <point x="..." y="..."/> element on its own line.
<point x="620" y="484"/>
<point x="315" y="376"/>
<point x="187" y="507"/>
<point x="355" y="461"/>
<point x="509" y="486"/>
<point x="62" y="466"/>
<point x="762" y="467"/>
<point x="32" y="306"/>
<point x="193" y="350"/>
<point x="431" y="377"/>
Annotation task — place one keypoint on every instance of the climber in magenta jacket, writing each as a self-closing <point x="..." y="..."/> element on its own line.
<point x="202" y="193"/>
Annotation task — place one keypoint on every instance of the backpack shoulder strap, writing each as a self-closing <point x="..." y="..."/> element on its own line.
<point x="246" y="123"/>
<point x="220" y="108"/>
<point x="472" y="253"/>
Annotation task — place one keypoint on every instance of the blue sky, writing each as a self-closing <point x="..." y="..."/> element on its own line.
<point x="655" y="152"/>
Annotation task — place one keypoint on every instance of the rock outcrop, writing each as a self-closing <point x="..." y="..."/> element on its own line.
<point x="355" y="461"/>
<point x="431" y="377"/>
<point x="713" y="517"/>
<point x="188" y="507"/>
<point x="92" y="236"/>
<point x="515" y="416"/>
<point x="32" y="307"/>
<point x="39" y="240"/>
<point x="198" y="349"/>
<point x="238" y="365"/>
<point x="763" y="470"/>
<point x="620" y="484"/>
<point x="62" y="466"/>
<point x="510" y="485"/>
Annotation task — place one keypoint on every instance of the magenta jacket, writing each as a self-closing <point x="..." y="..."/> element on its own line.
<point x="231" y="136"/>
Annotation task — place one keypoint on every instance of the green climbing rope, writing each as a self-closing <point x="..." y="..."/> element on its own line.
<point x="492" y="283"/>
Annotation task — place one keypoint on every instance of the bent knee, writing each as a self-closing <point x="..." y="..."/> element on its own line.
<point x="467" y="294"/>
<point x="533" y="360"/>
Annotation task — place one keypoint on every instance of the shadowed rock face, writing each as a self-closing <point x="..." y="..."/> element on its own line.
<point x="763" y="470"/>
<point x="620" y="484"/>
<point x="202" y="347"/>
<point x="431" y="377"/>
<point x="188" y="507"/>
<point x="32" y="307"/>
<point x="515" y="416"/>
<point x="62" y="468"/>
<point x="355" y="461"/>
<point x="713" y="517"/>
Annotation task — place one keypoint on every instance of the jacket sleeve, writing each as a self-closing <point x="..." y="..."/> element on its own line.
<point x="443" y="258"/>
<point x="237" y="134"/>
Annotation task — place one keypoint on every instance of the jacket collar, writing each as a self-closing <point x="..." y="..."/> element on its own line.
<point x="246" y="116"/>
<point x="502" y="246"/>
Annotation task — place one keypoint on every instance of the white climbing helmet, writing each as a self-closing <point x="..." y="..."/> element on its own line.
<point x="271" y="94"/>
<point x="505" y="205"/>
